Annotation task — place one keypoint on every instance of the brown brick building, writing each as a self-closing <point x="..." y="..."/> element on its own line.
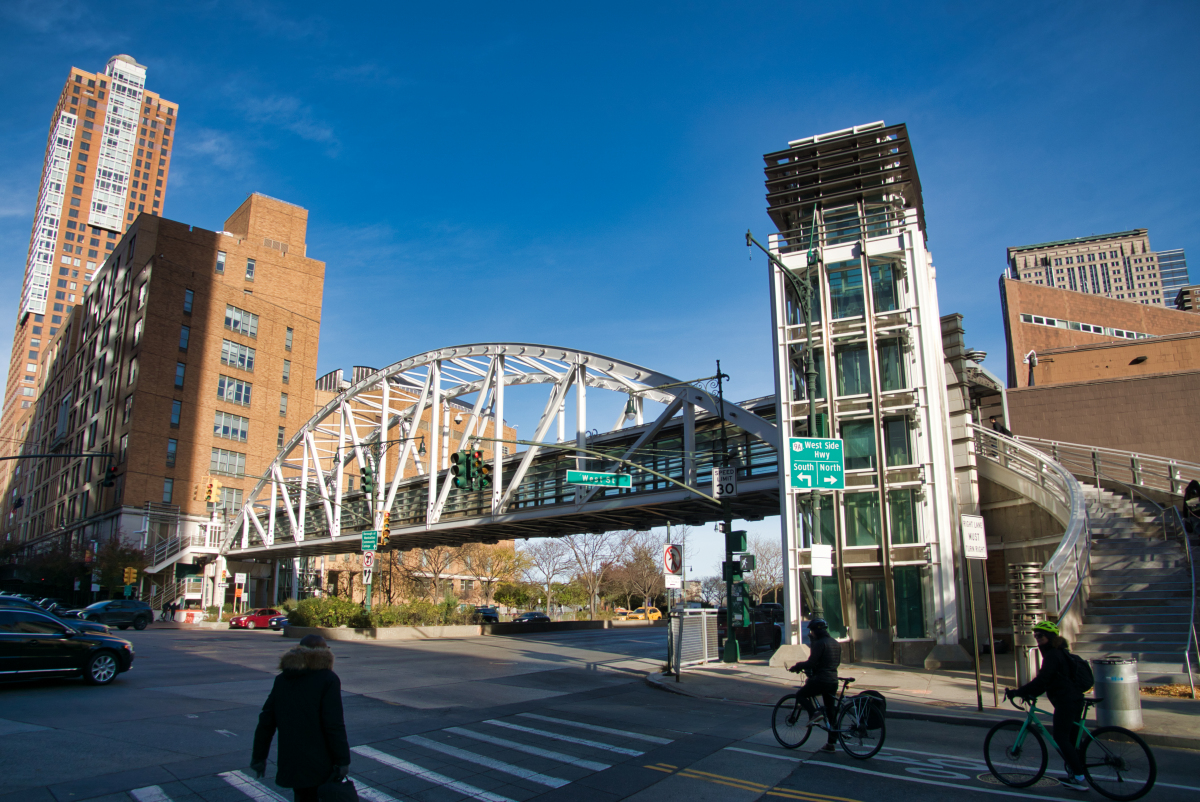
<point x="107" y="160"/>
<point x="192" y="354"/>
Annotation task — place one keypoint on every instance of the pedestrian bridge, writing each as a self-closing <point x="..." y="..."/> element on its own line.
<point x="667" y="437"/>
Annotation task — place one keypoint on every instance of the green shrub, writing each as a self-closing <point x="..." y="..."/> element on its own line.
<point x="328" y="611"/>
<point x="335" y="612"/>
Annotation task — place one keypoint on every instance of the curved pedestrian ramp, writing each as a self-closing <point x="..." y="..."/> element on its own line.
<point x="508" y="759"/>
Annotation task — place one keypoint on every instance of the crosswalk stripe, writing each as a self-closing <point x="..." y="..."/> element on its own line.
<point x="491" y="763"/>
<point x="654" y="739"/>
<point x="530" y="750"/>
<point x="151" y="793"/>
<point x="583" y="741"/>
<point x="372" y="794"/>
<point x="250" y="787"/>
<point x="429" y="776"/>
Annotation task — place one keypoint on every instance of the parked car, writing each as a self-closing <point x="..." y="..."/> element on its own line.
<point x="488" y="614"/>
<point x="121" y="613"/>
<point x="766" y="634"/>
<point x="532" y="618"/>
<point x="50" y="602"/>
<point x="17" y="603"/>
<point x="253" y="619"/>
<point x="621" y="615"/>
<point x="645" y="614"/>
<point x="36" y="645"/>
<point x="278" y="622"/>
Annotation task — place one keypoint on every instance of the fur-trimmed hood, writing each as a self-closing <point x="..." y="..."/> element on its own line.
<point x="302" y="658"/>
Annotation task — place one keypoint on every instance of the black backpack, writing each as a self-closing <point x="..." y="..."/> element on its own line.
<point x="1081" y="673"/>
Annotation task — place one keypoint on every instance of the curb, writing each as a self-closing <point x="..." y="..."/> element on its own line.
<point x="1153" y="738"/>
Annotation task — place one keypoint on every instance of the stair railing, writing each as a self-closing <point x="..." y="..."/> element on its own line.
<point x="1066" y="572"/>
<point x="1173" y="522"/>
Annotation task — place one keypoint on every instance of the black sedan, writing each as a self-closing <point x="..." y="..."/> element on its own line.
<point x="16" y="603"/>
<point x="488" y="614"/>
<point x="532" y="618"/>
<point x="39" y="646"/>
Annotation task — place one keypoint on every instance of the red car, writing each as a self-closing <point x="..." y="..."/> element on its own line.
<point x="253" y="619"/>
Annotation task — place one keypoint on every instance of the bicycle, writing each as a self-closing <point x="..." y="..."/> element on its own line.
<point x="859" y="725"/>
<point x="1116" y="762"/>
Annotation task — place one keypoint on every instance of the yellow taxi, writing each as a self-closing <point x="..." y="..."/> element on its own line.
<point x="645" y="614"/>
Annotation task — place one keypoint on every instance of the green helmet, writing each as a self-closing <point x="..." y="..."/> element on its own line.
<point x="1049" y="627"/>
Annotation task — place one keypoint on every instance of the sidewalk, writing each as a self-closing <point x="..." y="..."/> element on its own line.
<point x="946" y="697"/>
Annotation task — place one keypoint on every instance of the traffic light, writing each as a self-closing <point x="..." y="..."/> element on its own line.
<point x="477" y="474"/>
<point x="731" y="570"/>
<point x="385" y="530"/>
<point x="212" y="490"/>
<point x="485" y="476"/>
<point x="368" y="479"/>
<point x="460" y="469"/>
<point x="110" y="477"/>
<point x="130" y="575"/>
<point x="735" y="541"/>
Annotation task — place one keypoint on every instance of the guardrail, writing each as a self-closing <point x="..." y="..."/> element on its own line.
<point x="1173" y="524"/>
<point x="1125" y="467"/>
<point x="1064" y="573"/>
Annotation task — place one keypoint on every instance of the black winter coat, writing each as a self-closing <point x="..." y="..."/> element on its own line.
<point x="1054" y="678"/>
<point x="305" y="705"/>
<point x="824" y="657"/>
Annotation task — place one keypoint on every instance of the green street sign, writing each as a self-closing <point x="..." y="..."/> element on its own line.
<point x="598" y="479"/>
<point x="816" y="463"/>
<point x="370" y="540"/>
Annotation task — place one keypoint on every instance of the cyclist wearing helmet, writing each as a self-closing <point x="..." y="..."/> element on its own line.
<point x="822" y="664"/>
<point x="1054" y="680"/>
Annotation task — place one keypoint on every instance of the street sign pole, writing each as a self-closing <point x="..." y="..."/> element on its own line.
<point x="974" y="544"/>
<point x="370" y="542"/>
<point x="817" y="463"/>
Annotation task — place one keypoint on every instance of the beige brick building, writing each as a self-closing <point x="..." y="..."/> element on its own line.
<point x="1119" y="265"/>
<point x="192" y="354"/>
<point x="107" y="160"/>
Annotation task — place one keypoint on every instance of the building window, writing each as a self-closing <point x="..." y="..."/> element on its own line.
<point x="859" y="445"/>
<point x="172" y="450"/>
<point x="287" y="339"/>
<point x="168" y="490"/>
<point x="279" y="438"/>
<point x="231" y="427"/>
<point x="862" y="519"/>
<point x="891" y="366"/>
<point x="230" y="463"/>
<point x="885" y="287"/>
<point x="240" y="321"/>
<point x="141" y="296"/>
<point x="287" y="370"/>
<point x="249" y="270"/>
<point x="188" y="297"/>
<point x="137" y="332"/>
<point x="220" y="262"/>
<point x="237" y="355"/>
<point x="235" y="391"/>
<point x="124" y="447"/>
<point x="283" y="404"/>
<point x="896" y="446"/>
<point x="853" y="369"/>
<point x="180" y="370"/>
<point x="176" y="409"/>
<point x="185" y="332"/>
<point x="903" y="511"/>
<point x="846" y="289"/>
<point x="231" y="499"/>
<point x="128" y="411"/>
<point x="133" y="371"/>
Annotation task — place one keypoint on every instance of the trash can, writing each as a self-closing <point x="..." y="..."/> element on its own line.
<point x="1117" y="683"/>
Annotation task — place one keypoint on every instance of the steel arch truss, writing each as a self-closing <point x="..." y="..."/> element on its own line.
<point x="303" y="492"/>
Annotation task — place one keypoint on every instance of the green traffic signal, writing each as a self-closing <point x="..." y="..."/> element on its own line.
<point x="368" y="479"/>
<point x="460" y="469"/>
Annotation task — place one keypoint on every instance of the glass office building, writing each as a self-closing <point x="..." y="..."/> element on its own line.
<point x="1172" y="265"/>
<point x="847" y="207"/>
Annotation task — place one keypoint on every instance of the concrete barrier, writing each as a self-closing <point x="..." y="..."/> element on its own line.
<point x="463" y="631"/>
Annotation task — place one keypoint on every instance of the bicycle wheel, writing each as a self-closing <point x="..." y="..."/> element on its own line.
<point x="1118" y="763"/>
<point x="1018" y="765"/>
<point x="860" y="728"/>
<point x="790" y="723"/>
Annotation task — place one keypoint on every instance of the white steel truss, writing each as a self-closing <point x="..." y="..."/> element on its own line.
<point x="390" y="406"/>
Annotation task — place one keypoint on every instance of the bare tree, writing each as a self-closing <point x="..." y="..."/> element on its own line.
<point x="548" y="559"/>
<point x="593" y="555"/>
<point x="492" y="564"/>
<point x="768" y="567"/>
<point x="712" y="590"/>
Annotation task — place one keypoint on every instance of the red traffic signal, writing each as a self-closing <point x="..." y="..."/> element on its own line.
<point x="110" y="477"/>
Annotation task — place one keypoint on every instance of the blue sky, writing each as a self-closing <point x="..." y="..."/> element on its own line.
<point x="584" y="176"/>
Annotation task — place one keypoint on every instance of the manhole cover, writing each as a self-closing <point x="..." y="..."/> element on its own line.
<point x="990" y="779"/>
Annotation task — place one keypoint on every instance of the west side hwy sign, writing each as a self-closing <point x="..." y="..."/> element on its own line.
<point x="816" y="463"/>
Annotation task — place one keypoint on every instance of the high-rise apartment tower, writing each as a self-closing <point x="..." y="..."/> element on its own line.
<point x="107" y="159"/>
<point x="1119" y="265"/>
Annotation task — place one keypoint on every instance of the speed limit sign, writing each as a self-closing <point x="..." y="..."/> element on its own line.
<point x="724" y="482"/>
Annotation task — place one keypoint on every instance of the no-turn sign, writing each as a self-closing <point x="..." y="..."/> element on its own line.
<point x="673" y="565"/>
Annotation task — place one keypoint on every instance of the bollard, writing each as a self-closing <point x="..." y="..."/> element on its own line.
<point x="1117" y="683"/>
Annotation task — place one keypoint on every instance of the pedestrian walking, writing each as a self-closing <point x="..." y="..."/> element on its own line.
<point x="166" y="606"/>
<point x="305" y="706"/>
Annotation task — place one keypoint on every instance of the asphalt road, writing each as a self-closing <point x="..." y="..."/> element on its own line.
<point x="545" y="717"/>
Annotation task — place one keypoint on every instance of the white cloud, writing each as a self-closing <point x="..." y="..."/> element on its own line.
<point x="291" y="115"/>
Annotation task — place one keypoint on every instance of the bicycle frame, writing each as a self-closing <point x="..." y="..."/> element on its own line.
<point x="1031" y="716"/>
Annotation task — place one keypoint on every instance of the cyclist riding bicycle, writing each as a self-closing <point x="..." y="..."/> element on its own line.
<point x="1055" y="681"/>
<point x="822" y="664"/>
